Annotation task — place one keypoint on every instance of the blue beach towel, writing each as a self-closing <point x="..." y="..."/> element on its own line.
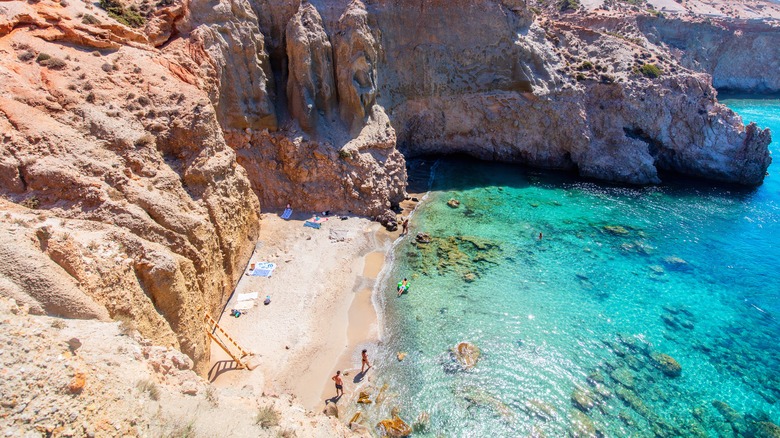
<point x="311" y="224"/>
<point x="263" y="269"/>
<point x="287" y="213"/>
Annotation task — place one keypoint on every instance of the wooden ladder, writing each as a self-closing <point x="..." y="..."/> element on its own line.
<point x="242" y="357"/>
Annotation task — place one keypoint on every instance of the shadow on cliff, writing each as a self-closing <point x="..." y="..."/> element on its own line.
<point x="459" y="172"/>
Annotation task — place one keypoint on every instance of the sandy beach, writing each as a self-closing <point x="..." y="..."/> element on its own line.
<point x="321" y="313"/>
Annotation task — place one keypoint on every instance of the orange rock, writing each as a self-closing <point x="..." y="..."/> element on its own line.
<point x="76" y="384"/>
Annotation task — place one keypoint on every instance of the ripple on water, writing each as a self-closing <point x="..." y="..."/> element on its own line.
<point x="621" y="275"/>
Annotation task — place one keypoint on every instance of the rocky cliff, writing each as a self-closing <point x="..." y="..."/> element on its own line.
<point x="741" y="55"/>
<point x="132" y="159"/>
<point x="121" y="197"/>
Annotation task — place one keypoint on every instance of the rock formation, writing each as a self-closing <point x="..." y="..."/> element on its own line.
<point x="132" y="159"/>
<point x="741" y="55"/>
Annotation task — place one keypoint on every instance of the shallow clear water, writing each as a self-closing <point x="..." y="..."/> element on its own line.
<point x="620" y="275"/>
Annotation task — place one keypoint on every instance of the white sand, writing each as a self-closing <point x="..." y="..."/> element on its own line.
<point x="320" y="288"/>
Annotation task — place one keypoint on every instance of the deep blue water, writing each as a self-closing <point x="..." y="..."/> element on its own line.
<point x="621" y="275"/>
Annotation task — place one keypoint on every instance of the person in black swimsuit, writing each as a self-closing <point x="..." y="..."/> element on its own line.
<point x="339" y="384"/>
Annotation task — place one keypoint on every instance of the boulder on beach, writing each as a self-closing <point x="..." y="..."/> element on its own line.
<point x="667" y="364"/>
<point x="394" y="427"/>
<point x="467" y="354"/>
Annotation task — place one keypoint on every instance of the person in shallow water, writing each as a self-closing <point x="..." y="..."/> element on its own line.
<point x="365" y="365"/>
<point x="403" y="286"/>
<point x="339" y="384"/>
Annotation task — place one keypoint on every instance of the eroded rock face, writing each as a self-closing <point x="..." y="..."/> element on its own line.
<point x="741" y="55"/>
<point x="356" y="54"/>
<point x="136" y="205"/>
<point x="232" y="62"/>
<point x="311" y="87"/>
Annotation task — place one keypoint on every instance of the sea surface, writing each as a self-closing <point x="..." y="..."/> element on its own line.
<point x="580" y="331"/>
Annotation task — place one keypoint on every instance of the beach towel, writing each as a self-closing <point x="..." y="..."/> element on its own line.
<point x="249" y="296"/>
<point x="263" y="269"/>
<point x="245" y="305"/>
<point x="318" y="220"/>
<point x="287" y="213"/>
<point x="311" y="224"/>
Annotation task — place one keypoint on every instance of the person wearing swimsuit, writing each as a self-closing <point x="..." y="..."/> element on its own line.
<point x="365" y="365"/>
<point x="339" y="384"/>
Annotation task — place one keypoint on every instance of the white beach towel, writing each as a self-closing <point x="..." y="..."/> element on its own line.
<point x="244" y="305"/>
<point x="245" y="297"/>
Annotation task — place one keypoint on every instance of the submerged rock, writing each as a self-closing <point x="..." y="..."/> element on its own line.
<point x="394" y="427"/>
<point x="454" y="203"/>
<point x="582" y="425"/>
<point x="541" y="410"/>
<point x="623" y="376"/>
<point x="422" y="422"/>
<point x="765" y="429"/>
<point x="582" y="399"/>
<point x="363" y="398"/>
<point x="667" y="364"/>
<point x="466" y="354"/>
<point x="423" y="238"/>
<point x="615" y="230"/>
<point x="676" y="263"/>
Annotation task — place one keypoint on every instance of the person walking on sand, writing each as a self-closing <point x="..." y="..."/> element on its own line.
<point x="339" y="384"/>
<point x="405" y="226"/>
<point x="365" y="365"/>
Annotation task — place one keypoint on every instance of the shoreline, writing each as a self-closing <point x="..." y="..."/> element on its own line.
<point x="302" y="337"/>
<point x="323" y="310"/>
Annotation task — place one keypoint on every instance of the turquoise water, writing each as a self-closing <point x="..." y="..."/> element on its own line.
<point x="621" y="275"/>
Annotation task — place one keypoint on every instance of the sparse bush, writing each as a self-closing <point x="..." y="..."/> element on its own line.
<point x="569" y="5"/>
<point x="118" y="12"/>
<point x="90" y="19"/>
<point x="88" y="86"/>
<point x="211" y="396"/>
<point x="580" y="77"/>
<point x="108" y="68"/>
<point x="58" y="324"/>
<point x="143" y="100"/>
<point x="54" y="63"/>
<point x="90" y="98"/>
<point x="586" y="65"/>
<point x="179" y="430"/>
<point x="32" y="202"/>
<point x="287" y="433"/>
<point x="148" y="386"/>
<point x="126" y="325"/>
<point x="144" y="140"/>
<point x="344" y="154"/>
<point x="42" y="57"/>
<point x="650" y="70"/>
<point x="26" y="56"/>
<point x="267" y="417"/>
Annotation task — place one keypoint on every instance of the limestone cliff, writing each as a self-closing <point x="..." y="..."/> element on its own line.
<point x="741" y="55"/>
